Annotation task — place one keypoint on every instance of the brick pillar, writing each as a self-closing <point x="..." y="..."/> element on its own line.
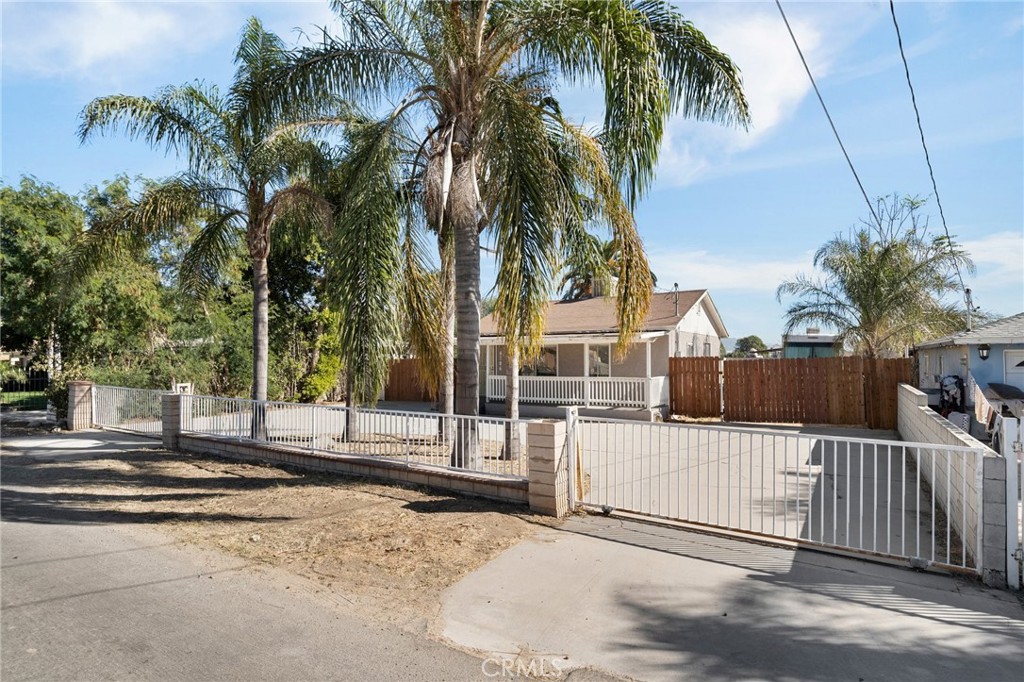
<point x="549" y="472"/>
<point x="993" y="518"/>
<point x="170" y="413"/>
<point x="79" y="405"/>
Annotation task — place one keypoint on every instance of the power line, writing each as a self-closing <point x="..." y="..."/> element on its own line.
<point x="924" y="145"/>
<point x="827" y="115"/>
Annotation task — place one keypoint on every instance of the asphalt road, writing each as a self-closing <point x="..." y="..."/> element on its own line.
<point x="92" y="601"/>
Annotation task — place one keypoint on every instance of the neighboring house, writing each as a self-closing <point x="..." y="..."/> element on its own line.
<point x="813" y="344"/>
<point x="578" y="365"/>
<point x="992" y="354"/>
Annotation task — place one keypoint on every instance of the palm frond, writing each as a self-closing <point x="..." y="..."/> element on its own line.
<point x="364" y="264"/>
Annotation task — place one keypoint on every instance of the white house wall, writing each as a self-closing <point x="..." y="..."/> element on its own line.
<point x="696" y="328"/>
<point x="940" y="362"/>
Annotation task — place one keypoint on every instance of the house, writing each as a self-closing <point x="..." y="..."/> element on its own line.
<point x="813" y="344"/>
<point x="578" y="366"/>
<point x="992" y="354"/>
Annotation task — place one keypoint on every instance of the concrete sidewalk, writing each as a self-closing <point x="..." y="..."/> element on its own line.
<point x="659" y="603"/>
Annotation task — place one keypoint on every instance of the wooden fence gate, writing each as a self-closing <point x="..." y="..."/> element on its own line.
<point x="694" y="388"/>
<point x="845" y="390"/>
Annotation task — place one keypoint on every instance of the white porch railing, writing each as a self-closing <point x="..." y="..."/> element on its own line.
<point x="583" y="391"/>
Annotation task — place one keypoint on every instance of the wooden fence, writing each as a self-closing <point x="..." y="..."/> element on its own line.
<point x="693" y="387"/>
<point x="405" y="382"/>
<point x="845" y="390"/>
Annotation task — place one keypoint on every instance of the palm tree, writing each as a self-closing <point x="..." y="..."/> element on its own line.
<point x="590" y="269"/>
<point x="248" y="166"/>
<point x="882" y="286"/>
<point x="482" y="146"/>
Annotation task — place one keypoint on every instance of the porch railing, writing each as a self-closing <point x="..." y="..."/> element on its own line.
<point x="582" y="391"/>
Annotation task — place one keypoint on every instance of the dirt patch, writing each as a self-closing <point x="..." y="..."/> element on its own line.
<point x="389" y="550"/>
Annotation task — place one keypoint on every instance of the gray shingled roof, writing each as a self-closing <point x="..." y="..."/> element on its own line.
<point x="1006" y="330"/>
<point x="597" y="315"/>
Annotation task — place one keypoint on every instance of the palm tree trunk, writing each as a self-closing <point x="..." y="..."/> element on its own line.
<point x="446" y="397"/>
<point x="467" y="309"/>
<point x="512" y="444"/>
<point x="351" y="414"/>
<point x="260" y="344"/>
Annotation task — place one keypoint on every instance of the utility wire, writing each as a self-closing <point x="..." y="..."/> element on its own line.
<point x="924" y="145"/>
<point x="828" y="116"/>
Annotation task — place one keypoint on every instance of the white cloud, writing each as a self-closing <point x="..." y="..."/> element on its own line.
<point x="721" y="272"/>
<point x="999" y="255"/>
<point x="775" y="82"/>
<point x="107" y="40"/>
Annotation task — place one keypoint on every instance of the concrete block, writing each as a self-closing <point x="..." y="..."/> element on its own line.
<point x="545" y="489"/>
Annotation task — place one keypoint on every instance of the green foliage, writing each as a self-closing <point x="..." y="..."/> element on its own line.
<point x="478" y="144"/>
<point x="249" y="166"/>
<point x="745" y="345"/>
<point x="11" y="373"/>
<point x="883" y="287"/>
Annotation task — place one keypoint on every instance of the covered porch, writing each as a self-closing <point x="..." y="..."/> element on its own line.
<point x="583" y="371"/>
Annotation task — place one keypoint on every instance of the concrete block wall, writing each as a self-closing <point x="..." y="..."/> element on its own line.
<point x="79" y="405"/>
<point x="954" y="480"/>
<point x="506" y="490"/>
<point x="549" y="468"/>
<point x="170" y="416"/>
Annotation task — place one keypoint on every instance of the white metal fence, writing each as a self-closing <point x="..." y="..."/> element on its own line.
<point x="487" y="445"/>
<point x="890" y="498"/>
<point x="130" y="409"/>
<point x="1012" y="449"/>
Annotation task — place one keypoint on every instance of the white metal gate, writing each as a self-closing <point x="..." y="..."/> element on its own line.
<point x="129" y="409"/>
<point x="891" y="498"/>
<point x="1011" y="449"/>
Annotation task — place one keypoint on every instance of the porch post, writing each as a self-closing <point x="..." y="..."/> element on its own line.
<point x="487" y="373"/>
<point x="586" y="374"/>
<point x="650" y="397"/>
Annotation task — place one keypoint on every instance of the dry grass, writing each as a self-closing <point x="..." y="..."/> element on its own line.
<point x="389" y="550"/>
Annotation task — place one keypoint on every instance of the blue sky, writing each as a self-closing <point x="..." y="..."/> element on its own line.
<point x="732" y="211"/>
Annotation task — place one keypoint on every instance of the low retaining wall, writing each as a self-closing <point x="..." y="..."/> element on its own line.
<point x="977" y="495"/>
<point x="507" y="490"/>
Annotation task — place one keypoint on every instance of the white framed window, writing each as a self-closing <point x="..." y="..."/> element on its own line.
<point x="600" y="360"/>
<point x="707" y="349"/>
<point x="691" y="350"/>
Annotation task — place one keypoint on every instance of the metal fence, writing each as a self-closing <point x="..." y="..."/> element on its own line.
<point x="129" y="409"/>
<point x="487" y="445"/>
<point x="908" y="500"/>
<point x="25" y="394"/>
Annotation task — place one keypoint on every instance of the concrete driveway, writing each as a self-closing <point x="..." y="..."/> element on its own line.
<point x="657" y="603"/>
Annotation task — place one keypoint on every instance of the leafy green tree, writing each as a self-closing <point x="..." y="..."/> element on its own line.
<point x="498" y="156"/>
<point x="883" y="286"/>
<point x="37" y="221"/>
<point x="747" y="344"/>
<point x="248" y="166"/>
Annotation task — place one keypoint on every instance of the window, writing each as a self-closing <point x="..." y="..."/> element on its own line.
<point x="545" y="364"/>
<point x="600" y="361"/>
<point x="707" y="349"/>
<point x="690" y="350"/>
<point x="497" y="363"/>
